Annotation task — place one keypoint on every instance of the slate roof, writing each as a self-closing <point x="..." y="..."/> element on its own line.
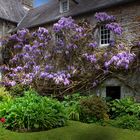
<point x="11" y="10"/>
<point x="50" y="12"/>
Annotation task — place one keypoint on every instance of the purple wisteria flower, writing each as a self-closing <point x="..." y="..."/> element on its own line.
<point x="26" y="57"/>
<point x="93" y="45"/>
<point x="121" y="60"/>
<point x="71" y="46"/>
<point x="13" y="37"/>
<point x="27" y="48"/>
<point x="18" y="69"/>
<point x="42" y="30"/>
<point x="59" y="77"/>
<point x="3" y="42"/>
<point x="17" y="47"/>
<point x="60" y="42"/>
<point x="43" y="75"/>
<point x="121" y="46"/>
<point x="62" y="77"/>
<point x="105" y="55"/>
<point x="102" y="16"/>
<point x="114" y="27"/>
<point x="112" y="43"/>
<point x="91" y="58"/>
<point x="36" y="69"/>
<point x="137" y="44"/>
<point x="79" y="29"/>
<point x="14" y="59"/>
<point x="22" y="33"/>
<point x="4" y="68"/>
<point x="12" y="75"/>
<point x="11" y="83"/>
<point x="64" y="23"/>
<point x="20" y="55"/>
<point x="20" y="36"/>
<point x="48" y="67"/>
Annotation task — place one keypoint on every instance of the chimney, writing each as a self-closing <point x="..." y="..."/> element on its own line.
<point x="27" y="4"/>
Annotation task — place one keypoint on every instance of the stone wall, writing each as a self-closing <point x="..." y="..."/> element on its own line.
<point x="127" y="15"/>
<point x="5" y="29"/>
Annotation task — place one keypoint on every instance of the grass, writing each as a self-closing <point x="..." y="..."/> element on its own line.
<point x="74" y="131"/>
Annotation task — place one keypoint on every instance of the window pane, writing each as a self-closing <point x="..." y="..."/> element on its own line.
<point x="102" y="42"/>
<point x="65" y="6"/>
<point x="104" y="35"/>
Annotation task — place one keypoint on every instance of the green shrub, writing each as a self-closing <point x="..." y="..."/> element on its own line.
<point x="93" y="109"/>
<point x="33" y="112"/>
<point x="121" y="107"/>
<point x="127" y="122"/>
<point x="18" y="90"/>
<point x="4" y="95"/>
<point x="71" y="103"/>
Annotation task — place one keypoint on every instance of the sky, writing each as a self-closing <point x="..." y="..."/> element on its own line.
<point x="39" y="2"/>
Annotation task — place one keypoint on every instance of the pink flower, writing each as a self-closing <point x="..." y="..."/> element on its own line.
<point x="3" y="120"/>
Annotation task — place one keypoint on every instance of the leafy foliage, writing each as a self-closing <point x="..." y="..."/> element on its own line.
<point x="127" y="122"/>
<point x="125" y="106"/>
<point x="4" y="95"/>
<point x="71" y="103"/>
<point x="33" y="112"/>
<point x="18" y="90"/>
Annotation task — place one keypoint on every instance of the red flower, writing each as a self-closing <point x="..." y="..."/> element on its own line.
<point x="2" y="120"/>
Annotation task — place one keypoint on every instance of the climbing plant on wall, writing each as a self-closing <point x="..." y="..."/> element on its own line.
<point x="72" y="62"/>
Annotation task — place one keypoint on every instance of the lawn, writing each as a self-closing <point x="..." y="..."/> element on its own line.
<point x="74" y="131"/>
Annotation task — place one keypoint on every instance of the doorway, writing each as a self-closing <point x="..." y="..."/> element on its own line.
<point x="113" y="92"/>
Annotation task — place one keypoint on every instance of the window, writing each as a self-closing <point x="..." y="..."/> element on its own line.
<point x="64" y="6"/>
<point x="104" y="36"/>
<point x="58" y="37"/>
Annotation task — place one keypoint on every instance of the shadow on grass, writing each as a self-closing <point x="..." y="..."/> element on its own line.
<point x="89" y="134"/>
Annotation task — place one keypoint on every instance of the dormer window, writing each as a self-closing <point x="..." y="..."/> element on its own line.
<point x="64" y="6"/>
<point x="104" y="36"/>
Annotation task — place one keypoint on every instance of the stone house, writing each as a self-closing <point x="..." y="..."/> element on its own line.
<point x="11" y="13"/>
<point x="128" y="15"/>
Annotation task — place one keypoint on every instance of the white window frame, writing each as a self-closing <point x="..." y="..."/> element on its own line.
<point x="62" y="10"/>
<point x="105" y="36"/>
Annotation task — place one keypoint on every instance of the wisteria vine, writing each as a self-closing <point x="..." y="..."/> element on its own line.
<point x="74" y="59"/>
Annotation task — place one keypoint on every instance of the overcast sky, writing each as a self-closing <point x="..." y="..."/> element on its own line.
<point x="39" y="2"/>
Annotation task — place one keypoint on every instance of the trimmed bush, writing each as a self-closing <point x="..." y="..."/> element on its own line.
<point x="93" y="109"/>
